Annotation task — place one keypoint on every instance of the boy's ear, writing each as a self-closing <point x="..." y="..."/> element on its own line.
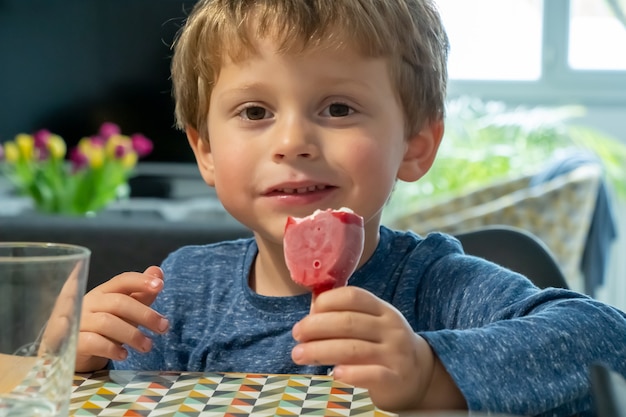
<point x="204" y="158"/>
<point x="421" y="151"/>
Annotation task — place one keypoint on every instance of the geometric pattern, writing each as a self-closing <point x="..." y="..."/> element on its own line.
<point x="191" y="394"/>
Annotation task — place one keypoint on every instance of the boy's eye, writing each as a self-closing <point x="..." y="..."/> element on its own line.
<point x="255" y="113"/>
<point x="338" y="110"/>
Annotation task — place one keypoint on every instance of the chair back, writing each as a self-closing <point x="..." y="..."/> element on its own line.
<point x="517" y="250"/>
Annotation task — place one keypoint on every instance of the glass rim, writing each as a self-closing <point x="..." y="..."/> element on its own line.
<point x="73" y="252"/>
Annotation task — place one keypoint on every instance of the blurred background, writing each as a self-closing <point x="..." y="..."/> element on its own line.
<point x="528" y="79"/>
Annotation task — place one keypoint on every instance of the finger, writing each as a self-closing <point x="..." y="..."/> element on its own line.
<point x="154" y="271"/>
<point x="338" y="325"/>
<point x="90" y="363"/>
<point x="339" y="351"/>
<point x="387" y="389"/>
<point x="147" y="297"/>
<point x="348" y="298"/>
<point x="143" y="287"/>
<point x="62" y="315"/>
<point x="364" y="376"/>
<point x="97" y="310"/>
<point x="387" y="343"/>
<point x="92" y="345"/>
<point x="117" y="330"/>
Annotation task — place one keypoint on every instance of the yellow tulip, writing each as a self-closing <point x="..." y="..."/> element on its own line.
<point x="11" y="152"/>
<point x="95" y="155"/>
<point x="26" y="145"/>
<point x="129" y="160"/>
<point x="85" y="145"/>
<point x="56" y="147"/>
<point x="99" y="161"/>
<point x="114" y="141"/>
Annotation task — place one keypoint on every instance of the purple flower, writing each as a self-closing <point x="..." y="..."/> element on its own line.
<point x="40" y="139"/>
<point x="120" y="151"/>
<point x="1" y="152"/>
<point x="141" y="144"/>
<point x="79" y="159"/>
<point x="108" y="129"/>
<point x="97" y="141"/>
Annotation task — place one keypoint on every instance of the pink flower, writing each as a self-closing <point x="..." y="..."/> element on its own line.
<point x="79" y="159"/>
<point x="97" y="141"/>
<point x="120" y="151"/>
<point x="141" y="144"/>
<point x="108" y="129"/>
<point x="40" y="139"/>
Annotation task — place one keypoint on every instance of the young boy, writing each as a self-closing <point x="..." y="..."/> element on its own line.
<point x="292" y="106"/>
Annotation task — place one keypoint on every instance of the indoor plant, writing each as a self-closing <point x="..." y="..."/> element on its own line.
<point x="81" y="181"/>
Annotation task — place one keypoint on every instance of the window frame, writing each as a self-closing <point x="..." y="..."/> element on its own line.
<point x="558" y="83"/>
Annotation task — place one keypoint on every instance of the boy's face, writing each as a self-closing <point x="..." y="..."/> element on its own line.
<point x="289" y="134"/>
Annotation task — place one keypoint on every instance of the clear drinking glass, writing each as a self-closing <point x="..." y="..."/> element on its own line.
<point x="41" y="292"/>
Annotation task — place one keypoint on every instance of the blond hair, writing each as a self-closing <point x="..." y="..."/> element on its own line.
<point x="408" y="32"/>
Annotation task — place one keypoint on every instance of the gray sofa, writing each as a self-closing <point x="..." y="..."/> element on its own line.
<point x="121" y="241"/>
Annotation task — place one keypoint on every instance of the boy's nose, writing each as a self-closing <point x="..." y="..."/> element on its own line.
<point x="294" y="139"/>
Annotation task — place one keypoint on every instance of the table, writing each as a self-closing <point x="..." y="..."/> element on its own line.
<point x="148" y="394"/>
<point x="13" y="369"/>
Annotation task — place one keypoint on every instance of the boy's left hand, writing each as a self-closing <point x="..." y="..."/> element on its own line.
<point x="372" y="346"/>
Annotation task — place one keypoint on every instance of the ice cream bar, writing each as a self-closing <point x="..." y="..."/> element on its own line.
<point x="322" y="250"/>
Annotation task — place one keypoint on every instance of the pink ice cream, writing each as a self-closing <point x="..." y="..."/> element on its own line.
<point x="322" y="250"/>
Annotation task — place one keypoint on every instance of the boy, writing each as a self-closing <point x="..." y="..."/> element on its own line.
<point x="292" y="106"/>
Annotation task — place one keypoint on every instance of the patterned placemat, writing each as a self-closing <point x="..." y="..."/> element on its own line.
<point x="190" y="394"/>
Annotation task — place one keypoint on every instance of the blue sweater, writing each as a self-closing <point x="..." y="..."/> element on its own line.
<point x="509" y="346"/>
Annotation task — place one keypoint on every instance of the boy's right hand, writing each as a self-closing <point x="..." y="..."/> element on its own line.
<point x="111" y="314"/>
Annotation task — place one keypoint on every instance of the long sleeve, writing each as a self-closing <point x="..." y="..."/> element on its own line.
<point x="513" y="348"/>
<point x="509" y="346"/>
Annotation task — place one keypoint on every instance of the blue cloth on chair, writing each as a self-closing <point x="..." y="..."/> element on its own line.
<point x="602" y="231"/>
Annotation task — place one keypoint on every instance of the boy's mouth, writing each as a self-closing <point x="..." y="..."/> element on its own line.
<point x="302" y="190"/>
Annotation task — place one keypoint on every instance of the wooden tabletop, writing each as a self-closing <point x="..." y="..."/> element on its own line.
<point x="13" y="369"/>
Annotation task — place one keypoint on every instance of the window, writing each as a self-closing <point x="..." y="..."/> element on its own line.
<point x="487" y="48"/>
<point x="593" y="29"/>
<point x="536" y="51"/>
